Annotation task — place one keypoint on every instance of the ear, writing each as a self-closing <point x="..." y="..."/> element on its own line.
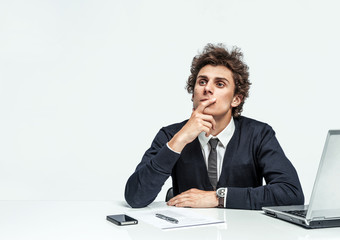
<point x="192" y="97"/>
<point x="237" y="99"/>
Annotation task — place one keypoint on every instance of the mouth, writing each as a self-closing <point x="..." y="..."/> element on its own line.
<point x="206" y="99"/>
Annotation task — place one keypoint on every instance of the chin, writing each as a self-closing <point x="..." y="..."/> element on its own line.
<point x="216" y="113"/>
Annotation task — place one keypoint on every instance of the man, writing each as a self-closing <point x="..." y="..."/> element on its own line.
<point x="217" y="158"/>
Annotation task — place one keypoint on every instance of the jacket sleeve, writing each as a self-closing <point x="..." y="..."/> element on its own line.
<point x="282" y="183"/>
<point x="151" y="173"/>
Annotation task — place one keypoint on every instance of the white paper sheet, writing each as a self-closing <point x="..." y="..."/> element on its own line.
<point x="186" y="217"/>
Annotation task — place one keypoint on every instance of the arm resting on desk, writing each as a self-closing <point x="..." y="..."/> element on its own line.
<point x="150" y="175"/>
<point x="282" y="183"/>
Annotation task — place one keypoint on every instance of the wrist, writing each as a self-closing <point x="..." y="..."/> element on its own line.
<point x="177" y="143"/>
<point x="216" y="199"/>
<point x="221" y="194"/>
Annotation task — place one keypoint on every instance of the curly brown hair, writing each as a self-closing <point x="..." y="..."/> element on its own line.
<point x="217" y="55"/>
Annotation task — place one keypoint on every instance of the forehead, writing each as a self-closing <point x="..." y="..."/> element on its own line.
<point x="219" y="71"/>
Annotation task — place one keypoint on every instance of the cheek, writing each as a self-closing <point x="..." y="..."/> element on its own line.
<point x="196" y="94"/>
<point x="225" y="101"/>
<point x="195" y="102"/>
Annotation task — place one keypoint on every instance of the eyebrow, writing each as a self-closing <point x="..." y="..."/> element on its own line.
<point x="218" y="78"/>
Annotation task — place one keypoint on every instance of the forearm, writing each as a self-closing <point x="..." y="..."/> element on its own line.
<point x="268" y="195"/>
<point x="143" y="186"/>
<point x="146" y="182"/>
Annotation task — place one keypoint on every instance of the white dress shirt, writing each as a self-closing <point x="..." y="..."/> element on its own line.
<point x="224" y="138"/>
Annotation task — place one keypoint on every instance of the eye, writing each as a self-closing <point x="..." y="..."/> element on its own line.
<point x="220" y="84"/>
<point x="202" y="82"/>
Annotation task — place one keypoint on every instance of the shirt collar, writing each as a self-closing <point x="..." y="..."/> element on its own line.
<point x="224" y="136"/>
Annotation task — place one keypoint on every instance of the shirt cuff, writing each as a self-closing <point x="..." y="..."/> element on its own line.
<point x="171" y="149"/>
<point x="225" y="197"/>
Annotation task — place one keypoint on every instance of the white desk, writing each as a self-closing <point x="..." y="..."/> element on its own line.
<point x="87" y="220"/>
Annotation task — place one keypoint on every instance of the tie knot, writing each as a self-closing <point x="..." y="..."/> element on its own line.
<point x="213" y="142"/>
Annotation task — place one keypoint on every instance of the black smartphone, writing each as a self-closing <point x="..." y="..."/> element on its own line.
<point x="121" y="219"/>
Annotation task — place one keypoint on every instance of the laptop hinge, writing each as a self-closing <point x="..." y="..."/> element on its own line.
<point x="308" y="221"/>
<point x="317" y="218"/>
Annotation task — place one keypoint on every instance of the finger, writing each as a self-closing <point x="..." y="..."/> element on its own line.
<point x="210" y="119"/>
<point x="187" y="204"/>
<point x="204" y="118"/>
<point x="183" y="194"/>
<point x="187" y="200"/>
<point x="182" y="200"/>
<point x="207" y="131"/>
<point x="205" y="104"/>
<point x="207" y="124"/>
<point x="200" y="108"/>
<point x="179" y="196"/>
<point x="174" y="202"/>
<point x="206" y="127"/>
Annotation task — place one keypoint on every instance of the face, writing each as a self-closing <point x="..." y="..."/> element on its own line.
<point x="216" y="82"/>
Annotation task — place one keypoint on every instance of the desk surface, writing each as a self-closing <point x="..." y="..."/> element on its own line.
<point x="87" y="220"/>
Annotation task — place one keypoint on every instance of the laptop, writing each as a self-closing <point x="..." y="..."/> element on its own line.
<point x="324" y="206"/>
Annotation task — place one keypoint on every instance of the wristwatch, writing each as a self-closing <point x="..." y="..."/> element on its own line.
<point x="221" y="195"/>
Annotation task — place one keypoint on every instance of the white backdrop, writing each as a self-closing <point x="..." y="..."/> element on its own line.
<point x="86" y="85"/>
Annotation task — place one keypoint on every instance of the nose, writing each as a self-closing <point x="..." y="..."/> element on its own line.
<point x="208" y="88"/>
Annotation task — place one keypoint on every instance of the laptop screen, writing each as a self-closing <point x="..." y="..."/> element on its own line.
<point x="325" y="199"/>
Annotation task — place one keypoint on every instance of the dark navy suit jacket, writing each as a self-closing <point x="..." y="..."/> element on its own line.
<point x="253" y="154"/>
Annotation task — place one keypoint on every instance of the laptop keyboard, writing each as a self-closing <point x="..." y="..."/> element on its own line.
<point x="300" y="213"/>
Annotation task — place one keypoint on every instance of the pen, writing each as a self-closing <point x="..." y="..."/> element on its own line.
<point x="166" y="218"/>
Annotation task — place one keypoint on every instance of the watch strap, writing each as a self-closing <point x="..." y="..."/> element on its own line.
<point x="221" y="194"/>
<point x="220" y="202"/>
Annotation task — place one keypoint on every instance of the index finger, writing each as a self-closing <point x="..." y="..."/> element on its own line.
<point x="205" y="104"/>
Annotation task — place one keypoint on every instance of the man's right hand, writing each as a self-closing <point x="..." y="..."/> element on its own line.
<point x="198" y="122"/>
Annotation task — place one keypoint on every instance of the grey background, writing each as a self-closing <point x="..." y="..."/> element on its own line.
<point x="86" y="85"/>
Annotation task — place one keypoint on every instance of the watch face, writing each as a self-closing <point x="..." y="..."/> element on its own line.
<point x="220" y="192"/>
